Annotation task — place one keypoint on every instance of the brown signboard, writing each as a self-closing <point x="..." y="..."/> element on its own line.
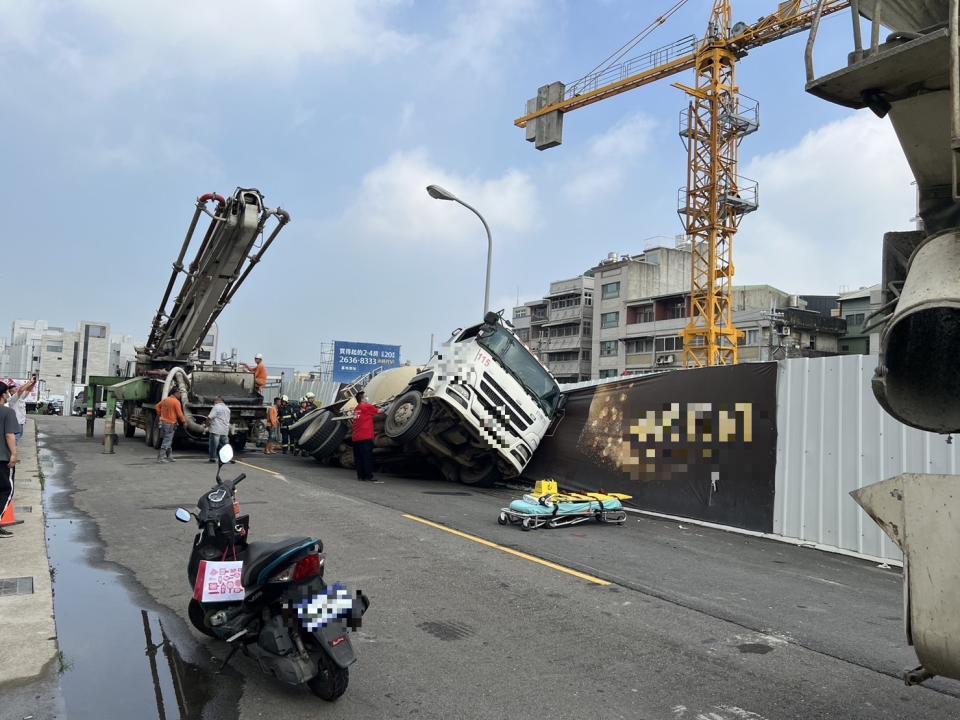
<point x="695" y="443"/>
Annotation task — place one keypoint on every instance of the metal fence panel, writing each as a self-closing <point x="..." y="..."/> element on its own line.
<point x="325" y="390"/>
<point x="833" y="437"/>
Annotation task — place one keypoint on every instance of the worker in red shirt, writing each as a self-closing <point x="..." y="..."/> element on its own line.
<point x="170" y="412"/>
<point x="362" y="436"/>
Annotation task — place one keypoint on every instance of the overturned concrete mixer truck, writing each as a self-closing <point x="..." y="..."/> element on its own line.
<point x="478" y="410"/>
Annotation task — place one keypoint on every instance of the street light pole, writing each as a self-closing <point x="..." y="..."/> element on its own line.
<point x="438" y="193"/>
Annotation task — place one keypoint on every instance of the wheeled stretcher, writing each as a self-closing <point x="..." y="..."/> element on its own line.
<point x="546" y="506"/>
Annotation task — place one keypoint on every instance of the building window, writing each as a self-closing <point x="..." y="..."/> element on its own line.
<point x="639" y="345"/>
<point x="570" y="356"/>
<point x="608" y="348"/>
<point x="676" y="310"/>
<point x="611" y="290"/>
<point x="669" y="344"/>
<point x="520" y="312"/>
<point x="523" y="334"/>
<point x="642" y="314"/>
<point x="55" y="346"/>
<point x="608" y="373"/>
<point x="588" y="299"/>
<point x="96" y="331"/>
<point x="751" y="337"/>
<point x="208" y="340"/>
<point x="565" y="302"/>
<point x="564" y="331"/>
<point x="855" y="319"/>
<point x="587" y="328"/>
<point x="610" y="320"/>
<point x="845" y="348"/>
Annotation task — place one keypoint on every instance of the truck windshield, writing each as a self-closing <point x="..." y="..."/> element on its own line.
<point x="518" y="361"/>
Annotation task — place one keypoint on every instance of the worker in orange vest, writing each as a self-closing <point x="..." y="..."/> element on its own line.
<point x="259" y="371"/>
<point x="170" y="412"/>
<point x="273" y="427"/>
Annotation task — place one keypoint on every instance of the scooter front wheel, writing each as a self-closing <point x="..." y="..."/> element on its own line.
<point x="332" y="680"/>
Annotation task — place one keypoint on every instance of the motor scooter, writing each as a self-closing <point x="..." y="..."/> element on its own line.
<point x="269" y="599"/>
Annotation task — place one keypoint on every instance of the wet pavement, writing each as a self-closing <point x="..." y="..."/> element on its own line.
<point x="122" y="656"/>
<point x="462" y="630"/>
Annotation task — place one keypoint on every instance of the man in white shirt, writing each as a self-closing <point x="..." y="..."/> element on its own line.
<point x="18" y="403"/>
<point x="218" y="422"/>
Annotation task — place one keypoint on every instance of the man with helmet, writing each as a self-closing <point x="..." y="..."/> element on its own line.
<point x="288" y="416"/>
<point x="259" y="371"/>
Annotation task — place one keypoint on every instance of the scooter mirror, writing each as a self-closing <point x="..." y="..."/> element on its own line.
<point x="183" y="515"/>
<point x="225" y="454"/>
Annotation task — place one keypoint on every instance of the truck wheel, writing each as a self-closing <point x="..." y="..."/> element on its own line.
<point x="408" y="417"/>
<point x="329" y="446"/>
<point x="238" y="442"/>
<point x="481" y="476"/>
<point x="346" y="459"/>
<point x="150" y="431"/>
<point x="128" y="428"/>
<point x="318" y="433"/>
<point x="298" y="428"/>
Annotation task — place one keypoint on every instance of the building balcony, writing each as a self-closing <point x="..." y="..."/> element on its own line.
<point x="569" y="367"/>
<point x="574" y="313"/>
<point x="569" y="342"/>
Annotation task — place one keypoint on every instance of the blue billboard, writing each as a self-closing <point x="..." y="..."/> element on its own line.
<point x="353" y="359"/>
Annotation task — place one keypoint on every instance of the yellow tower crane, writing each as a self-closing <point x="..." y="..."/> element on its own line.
<point x="718" y="117"/>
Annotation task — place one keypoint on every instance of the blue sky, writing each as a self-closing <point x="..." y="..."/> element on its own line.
<point x="118" y="114"/>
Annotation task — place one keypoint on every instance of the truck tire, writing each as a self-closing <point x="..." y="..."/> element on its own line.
<point x="318" y="432"/>
<point x="481" y="476"/>
<point x="238" y="442"/>
<point x="298" y="428"/>
<point x="128" y="428"/>
<point x="407" y="417"/>
<point x="334" y="439"/>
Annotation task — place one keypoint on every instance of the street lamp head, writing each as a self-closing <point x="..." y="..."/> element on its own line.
<point x="438" y="193"/>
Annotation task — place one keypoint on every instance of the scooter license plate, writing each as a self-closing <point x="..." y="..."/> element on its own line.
<point x="320" y="609"/>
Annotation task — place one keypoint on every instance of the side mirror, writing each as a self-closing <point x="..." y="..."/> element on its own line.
<point x="491" y="318"/>
<point x="225" y="454"/>
<point x="561" y="403"/>
<point x="183" y="515"/>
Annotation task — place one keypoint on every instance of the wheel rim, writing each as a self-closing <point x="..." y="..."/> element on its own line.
<point x="404" y="414"/>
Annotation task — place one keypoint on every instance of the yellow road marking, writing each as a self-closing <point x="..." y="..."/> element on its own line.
<point x="257" y="467"/>
<point x="510" y="551"/>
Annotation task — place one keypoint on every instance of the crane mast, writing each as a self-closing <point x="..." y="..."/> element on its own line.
<point x="718" y="117"/>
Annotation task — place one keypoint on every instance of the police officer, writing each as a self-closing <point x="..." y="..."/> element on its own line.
<point x="288" y="416"/>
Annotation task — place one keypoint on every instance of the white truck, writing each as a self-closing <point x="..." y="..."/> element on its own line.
<point x="478" y="410"/>
<point x="480" y="407"/>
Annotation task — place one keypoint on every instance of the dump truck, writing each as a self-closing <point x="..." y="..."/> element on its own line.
<point x="232" y="245"/>
<point x="478" y="410"/>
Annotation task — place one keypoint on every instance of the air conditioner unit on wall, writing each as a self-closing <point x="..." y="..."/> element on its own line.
<point x="784" y="330"/>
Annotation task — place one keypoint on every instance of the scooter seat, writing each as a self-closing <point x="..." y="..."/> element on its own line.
<point x="262" y="556"/>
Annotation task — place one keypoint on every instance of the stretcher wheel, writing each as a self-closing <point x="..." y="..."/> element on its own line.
<point x="502" y="519"/>
<point x="527" y="524"/>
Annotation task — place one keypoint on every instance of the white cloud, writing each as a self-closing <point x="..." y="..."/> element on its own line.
<point x="251" y="40"/>
<point x="608" y="159"/>
<point x="479" y="37"/>
<point x="824" y="206"/>
<point x="392" y="208"/>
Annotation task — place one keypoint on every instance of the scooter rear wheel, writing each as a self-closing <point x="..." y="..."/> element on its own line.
<point x="195" y="611"/>
<point x="331" y="682"/>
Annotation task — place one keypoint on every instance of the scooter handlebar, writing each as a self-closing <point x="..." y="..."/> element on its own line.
<point x="240" y="477"/>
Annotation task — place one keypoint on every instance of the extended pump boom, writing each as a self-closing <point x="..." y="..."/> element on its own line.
<point x="226" y="256"/>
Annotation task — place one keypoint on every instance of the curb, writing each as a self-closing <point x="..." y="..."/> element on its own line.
<point x="27" y="628"/>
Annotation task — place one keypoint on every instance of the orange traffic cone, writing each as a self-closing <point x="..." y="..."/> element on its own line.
<point x="9" y="516"/>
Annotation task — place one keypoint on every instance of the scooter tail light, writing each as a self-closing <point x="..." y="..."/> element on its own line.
<point x="308" y="567"/>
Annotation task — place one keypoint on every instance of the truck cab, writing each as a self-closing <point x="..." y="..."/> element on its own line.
<point x="480" y="407"/>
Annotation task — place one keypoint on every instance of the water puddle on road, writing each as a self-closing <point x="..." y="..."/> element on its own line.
<point x="119" y="659"/>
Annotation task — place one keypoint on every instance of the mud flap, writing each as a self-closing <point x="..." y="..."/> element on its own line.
<point x="335" y="641"/>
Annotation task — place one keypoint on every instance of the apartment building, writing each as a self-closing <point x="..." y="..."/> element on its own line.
<point x="854" y="308"/>
<point x="643" y="304"/>
<point x="558" y="328"/>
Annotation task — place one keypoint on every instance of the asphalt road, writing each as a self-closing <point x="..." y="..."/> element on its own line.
<point x="694" y="623"/>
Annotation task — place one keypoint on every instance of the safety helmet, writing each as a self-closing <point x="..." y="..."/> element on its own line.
<point x="284" y="398"/>
<point x="310" y="396"/>
<point x="258" y="356"/>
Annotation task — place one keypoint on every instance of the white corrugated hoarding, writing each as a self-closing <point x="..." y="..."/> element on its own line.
<point x="833" y="437"/>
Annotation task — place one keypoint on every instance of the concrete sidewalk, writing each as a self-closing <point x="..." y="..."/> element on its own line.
<point x="28" y="643"/>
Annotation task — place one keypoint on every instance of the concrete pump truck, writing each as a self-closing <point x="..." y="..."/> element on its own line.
<point x="234" y="242"/>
